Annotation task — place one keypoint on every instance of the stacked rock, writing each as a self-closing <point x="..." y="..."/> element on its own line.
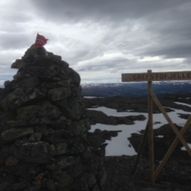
<point x="43" y="129"/>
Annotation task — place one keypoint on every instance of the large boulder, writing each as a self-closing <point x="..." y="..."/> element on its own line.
<point x="44" y="130"/>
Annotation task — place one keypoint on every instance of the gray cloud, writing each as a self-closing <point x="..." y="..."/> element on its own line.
<point x="103" y="37"/>
<point x="18" y="16"/>
<point x="14" y="40"/>
<point x="178" y="51"/>
<point x="101" y="9"/>
<point x="167" y="20"/>
<point x="172" y="31"/>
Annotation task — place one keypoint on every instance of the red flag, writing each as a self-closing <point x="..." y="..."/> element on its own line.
<point x="40" y="41"/>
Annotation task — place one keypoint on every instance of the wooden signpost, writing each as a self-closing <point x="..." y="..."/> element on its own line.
<point x="152" y="98"/>
<point x="156" y="76"/>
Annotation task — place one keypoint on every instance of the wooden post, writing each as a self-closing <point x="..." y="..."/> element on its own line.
<point x="150" y="128"/>
<point x="172" y="125"/>
<point x="171" y="149"/>
<point x="152" y="98"/>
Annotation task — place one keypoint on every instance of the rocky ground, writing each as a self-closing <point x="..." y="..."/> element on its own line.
<point x="121" y="174"/>
<point x="176" y="176"/>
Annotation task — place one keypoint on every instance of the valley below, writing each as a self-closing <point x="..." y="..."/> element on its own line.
<point x="118" y="124"/>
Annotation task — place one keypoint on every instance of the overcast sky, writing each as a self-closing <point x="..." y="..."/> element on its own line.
<point x="100" y="39"/>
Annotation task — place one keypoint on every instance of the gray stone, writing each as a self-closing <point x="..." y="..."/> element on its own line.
<point x="42" y="113"/>
<point x="12" y="134"/>
<point x="68" y="161"/>
<point x="61" y="93"/>
<point x="17" y="64"/>
<point x="11" y="161"/>
<point x="58" y="149"/>
<point x="36" y="152"/>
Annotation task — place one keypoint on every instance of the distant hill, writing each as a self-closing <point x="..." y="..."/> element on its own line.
<point x="136" y="89"/>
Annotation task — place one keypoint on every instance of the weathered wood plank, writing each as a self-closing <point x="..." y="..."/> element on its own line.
<point x="150" y="130"/>
<point x="156" y="76"/>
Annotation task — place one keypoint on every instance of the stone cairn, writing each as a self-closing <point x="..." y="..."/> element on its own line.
<point x="44" y="130"/>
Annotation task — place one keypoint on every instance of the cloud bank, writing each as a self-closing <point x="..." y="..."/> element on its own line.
<point x="100" y="39"/>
